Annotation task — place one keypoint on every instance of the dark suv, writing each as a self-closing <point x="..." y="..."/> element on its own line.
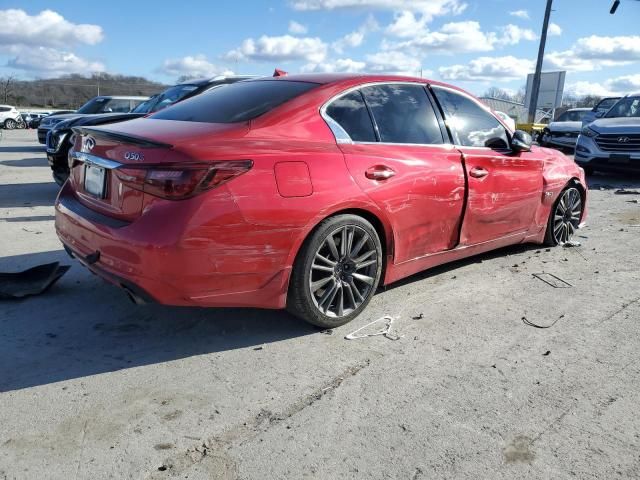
<point x="59" y="138"/>
<point x="101" y="104"/>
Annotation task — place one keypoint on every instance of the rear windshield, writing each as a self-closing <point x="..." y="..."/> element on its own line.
<point x="572" y="116"/>
<point x="237" y="102"/>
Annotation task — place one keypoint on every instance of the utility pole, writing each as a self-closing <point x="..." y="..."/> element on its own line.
<point x="533" y="103"/>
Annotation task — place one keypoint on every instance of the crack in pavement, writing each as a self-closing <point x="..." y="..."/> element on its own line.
<point x="215" y="450"/>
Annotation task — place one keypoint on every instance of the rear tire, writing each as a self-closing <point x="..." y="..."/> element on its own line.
<point x="564" y="217"/>
<point x="10" y="124"/>
<point x="336" y="272"/>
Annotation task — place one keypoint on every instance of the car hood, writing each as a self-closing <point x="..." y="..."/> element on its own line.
<point x="95" y="119"/>
<point x="616" y="125"/>
<point x="565" y="126"/>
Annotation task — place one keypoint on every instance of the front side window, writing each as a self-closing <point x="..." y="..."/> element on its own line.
<point x="403" y="114"/>
<point x="470" y="123"/>
<point x="117" y="105"/>
<point x="626" y="107"/>
<point x="606" y="104"/>
<point x="350" y="112"/>
<point x="238" y="102"/>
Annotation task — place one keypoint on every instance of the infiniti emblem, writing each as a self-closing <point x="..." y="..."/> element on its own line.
<point x="623" y="139"/>
<point x="87" y="144"/>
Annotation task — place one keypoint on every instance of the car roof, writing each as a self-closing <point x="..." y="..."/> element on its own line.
<point x="10" y="106"/>
<point x="123" y="97"/>
<point x="218" y="79"/>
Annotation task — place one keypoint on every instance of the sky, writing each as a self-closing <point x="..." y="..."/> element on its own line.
<point x="475" y="44"/>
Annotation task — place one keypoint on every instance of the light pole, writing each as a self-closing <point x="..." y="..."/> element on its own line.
<point x="533" y="101"/>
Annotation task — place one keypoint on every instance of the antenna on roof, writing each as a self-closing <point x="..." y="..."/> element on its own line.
<point x="279" y="73"/>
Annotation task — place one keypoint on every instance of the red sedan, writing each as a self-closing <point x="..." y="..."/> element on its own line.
<point x="307" y="192"/>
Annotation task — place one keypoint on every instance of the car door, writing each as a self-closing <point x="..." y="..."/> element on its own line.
<point x="394" y="148"/>
<point x="504" y="188"/>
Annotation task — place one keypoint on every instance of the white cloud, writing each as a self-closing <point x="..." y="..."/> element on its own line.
<point x="429" y="8"/>
<point x="382" y="63"/>
<point x="520" y="14"/>
<point x="452" y="38"/>
<point x="50" y="62"/>
<point x="554" y="29"/>
<point x="512" y="34"/>
<point x="340" y="65"/>
<point x="489" y="68"/>
<point x="355" y="38"/>
<point x="47" y="28"/>
<point x="612" y="87"/>
<point x="594" y="52"/>
<point x="192" y="66"/>
<point x="296" y="28"/>
<point x="406" y="24"/>
<point x="280" y="49"/>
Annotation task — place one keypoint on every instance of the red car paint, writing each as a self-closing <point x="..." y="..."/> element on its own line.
<point x="234" y="245"/>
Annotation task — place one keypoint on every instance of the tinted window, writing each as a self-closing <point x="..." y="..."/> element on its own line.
<point x="472" y="124"/>
<point x="116" y="106"/>
<point x="403" y="114"/>
<point x="237" y="102"/>
<point x="606" y="104"/>
<point x="626" y="107"/>
<point x="572" y="116"/>
<point x="351" y="114"/>
<point x="4" y="109"/>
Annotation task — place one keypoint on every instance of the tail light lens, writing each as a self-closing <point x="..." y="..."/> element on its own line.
<point x="175" y="182"/>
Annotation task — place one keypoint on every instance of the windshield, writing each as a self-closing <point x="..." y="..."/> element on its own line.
<point x="626" y="107"/>
<point x="172" y="95"/>
<point x="106" y="105"/>
<point x="572" y="116"/>
<point x="606" y="104"/>
<point x="237" y="102"/>
<point x="145" y="107"/>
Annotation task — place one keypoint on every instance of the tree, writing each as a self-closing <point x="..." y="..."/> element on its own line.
<point x="6" y="87"/>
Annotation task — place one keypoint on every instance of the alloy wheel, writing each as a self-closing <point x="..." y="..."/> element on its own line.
<point x="343" y="271"/>
<point x="10" y="124"/>
<point x="566" y="217"/>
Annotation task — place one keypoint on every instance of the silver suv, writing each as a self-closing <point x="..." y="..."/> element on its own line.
<point x="612" y="142"/>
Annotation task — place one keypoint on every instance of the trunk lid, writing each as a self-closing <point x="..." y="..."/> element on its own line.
<point x="102" y="156"/>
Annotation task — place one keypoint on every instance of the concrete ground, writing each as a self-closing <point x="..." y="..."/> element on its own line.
<point x="94" y="387"/>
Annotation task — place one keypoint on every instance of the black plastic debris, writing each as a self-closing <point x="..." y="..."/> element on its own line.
<point x="33" y="281"/>
<point x="624" y="191"/>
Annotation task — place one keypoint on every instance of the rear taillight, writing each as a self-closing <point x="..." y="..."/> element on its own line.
<point x="178" y="181"/>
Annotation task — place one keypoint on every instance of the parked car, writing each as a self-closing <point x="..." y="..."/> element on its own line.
<point x="100" y="104"/>
<point x="59" y="139"/>
<point x="32" y="119"/>
<point x="9" y="117"/>
<point x="307" y="192"/>
<point x="599" y="110"/>
<point x="612" y="143"/>
<point x="564" y="131"/>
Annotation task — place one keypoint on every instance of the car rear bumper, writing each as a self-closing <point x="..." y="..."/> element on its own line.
<point x="170" y="262"/>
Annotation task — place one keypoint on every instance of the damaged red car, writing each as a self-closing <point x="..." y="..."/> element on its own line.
<point x="307" y="192"/>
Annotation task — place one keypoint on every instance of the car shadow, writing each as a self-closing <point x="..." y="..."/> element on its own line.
<point x="83" y="326"/>
<point x="26" y="162"/>
<point x="23" y="149"/>
<point x="28" y="194"/>
<point x="613" y="181"/>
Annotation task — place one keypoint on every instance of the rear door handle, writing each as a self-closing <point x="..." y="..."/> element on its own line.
<point x="379" y="172"/>
<point x="478" y="172"/>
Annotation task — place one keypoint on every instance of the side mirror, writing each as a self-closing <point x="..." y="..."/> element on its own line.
<point x="521" y="141"/>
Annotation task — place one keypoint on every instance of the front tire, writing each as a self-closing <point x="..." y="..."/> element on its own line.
<point x="564" y="217"/>
<point x="336" y="272"/>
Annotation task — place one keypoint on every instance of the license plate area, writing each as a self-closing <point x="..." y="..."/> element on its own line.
<point x="95" y="180"/>
<point x="619" y="158"/>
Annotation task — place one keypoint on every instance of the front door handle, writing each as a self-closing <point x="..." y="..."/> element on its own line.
<point x="379" y="172"/>
<point x="478" y="172"/>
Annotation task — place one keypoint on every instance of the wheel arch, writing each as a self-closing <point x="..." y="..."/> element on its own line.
<point x="382" y="227"/>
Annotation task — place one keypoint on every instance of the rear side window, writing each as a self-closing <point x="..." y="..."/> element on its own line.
<point x="471" y="124"/>
<point x="350" y="112"/>
<point x="5" y="109"/>
<point x="403" y="114"/>
<point x="237" y="102"/>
